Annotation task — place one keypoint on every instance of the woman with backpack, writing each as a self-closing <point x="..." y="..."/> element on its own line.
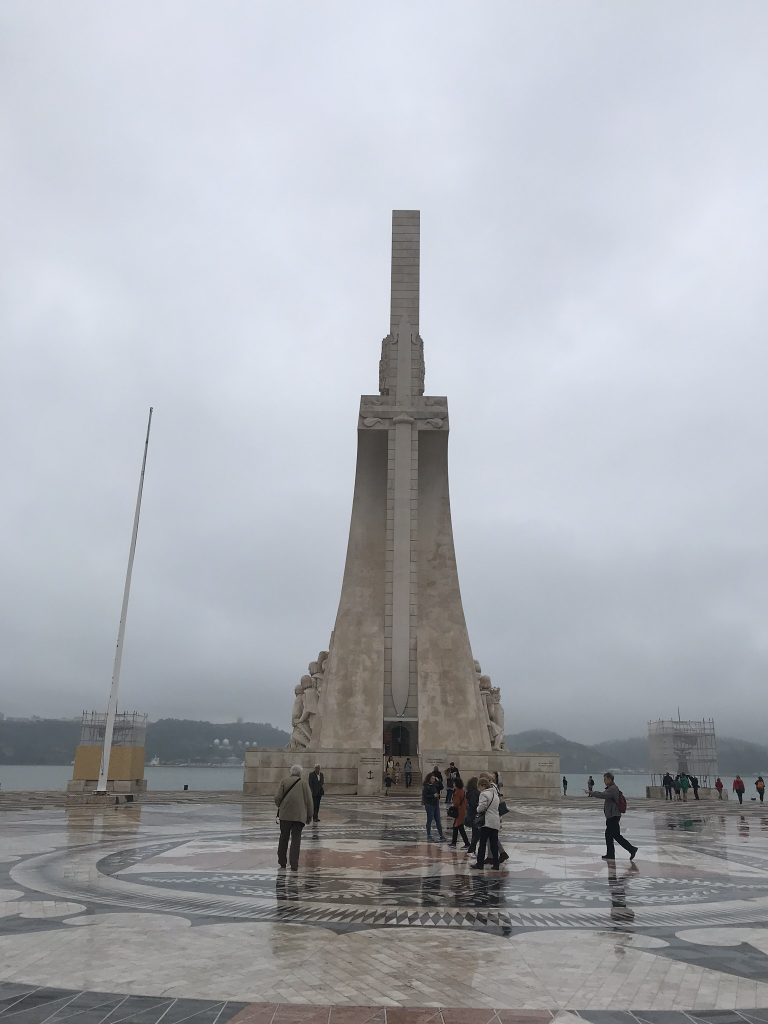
<point x="458" y="811"/>
<point x="488" y="812"/>
<point x="760" y="787"/>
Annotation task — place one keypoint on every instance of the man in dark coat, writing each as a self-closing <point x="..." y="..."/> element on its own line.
<point x="611" y="795"/>
<point x="317" y="786"/>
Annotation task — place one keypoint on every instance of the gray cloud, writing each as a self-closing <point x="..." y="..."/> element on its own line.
<point x="196" y="209"/>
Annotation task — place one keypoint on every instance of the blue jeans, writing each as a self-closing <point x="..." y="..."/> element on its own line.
<point x="433" y="814"/>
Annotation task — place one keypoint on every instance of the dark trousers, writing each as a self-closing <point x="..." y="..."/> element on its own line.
<point x="433" y="814"/>
<point x="761" y="794"/>
<point x="668" y="791"/>
<point x="448" y="797"/>
<point x="408" y="779"/>
<point x="740" y="795"/>
<point x="475" y="839"/>
<point x="316" y="798"/>
<point x="460" y="831"/>
<point x="289" y="830"/>
<point x="613" y="835"/>
<point x="696" y="793"/>
<point x="488" y="837"/>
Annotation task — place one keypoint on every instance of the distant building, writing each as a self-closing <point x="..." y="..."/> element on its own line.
<point x="686" y="747"/>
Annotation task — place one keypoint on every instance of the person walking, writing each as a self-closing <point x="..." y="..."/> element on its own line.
<point x="317" y="788"/>
<point x="695" y="786"/>
<point x="612" y="797"/>
<point x="760" y="787"/>
<point x="459" y="802"/>
<point x="488" y="812"/>
<point x="565" y="786"/>
<point x="738" y="788"/>
<point x="590" y="784"/>
<point x="719" y="787"/>
<point x="408" y="771"/>
<point x="676" y="787"/>
<point x="473" y="795"/>
<point x="387" y="780"/>
<point x="397" y="773"/>
<point x="450" y="783"/>
<point x="685" y="784"/>
<point x="430" y="797"/>
<point x="667" y="783"/>
<point x="294" y="811"/>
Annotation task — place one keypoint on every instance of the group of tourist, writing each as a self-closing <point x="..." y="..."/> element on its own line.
<point x="478" y="806"/>
<point x="392" y="774"/>
<point x="676" y="787"/>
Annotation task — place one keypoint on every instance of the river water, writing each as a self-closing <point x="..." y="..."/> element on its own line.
<point x="200" y="777"/>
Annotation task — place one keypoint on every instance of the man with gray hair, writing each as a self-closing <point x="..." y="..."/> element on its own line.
<point x="294" y="811"/>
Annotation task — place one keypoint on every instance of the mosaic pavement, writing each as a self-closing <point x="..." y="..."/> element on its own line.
<point x="179" y="912"/>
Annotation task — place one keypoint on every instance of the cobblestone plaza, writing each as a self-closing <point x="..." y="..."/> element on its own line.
<point x="179" y="912"/>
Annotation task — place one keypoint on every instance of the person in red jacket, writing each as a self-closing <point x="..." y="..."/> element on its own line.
<point x="738" y="788"/>
<point x="719" y="788"/>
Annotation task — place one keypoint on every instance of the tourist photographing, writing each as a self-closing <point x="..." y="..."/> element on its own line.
<point x="294" y="811"/>
<point x="613" y="804"/>
<point x="430" y="797"/>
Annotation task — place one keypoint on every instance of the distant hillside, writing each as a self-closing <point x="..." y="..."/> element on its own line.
<point x="629" y="753"/>
<point x="53" y="741"/>
<point x="574" y="757"/>
<point x="734" y="755"/>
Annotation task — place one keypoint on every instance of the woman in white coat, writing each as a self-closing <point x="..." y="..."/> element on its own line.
<point x="488" y="811"/>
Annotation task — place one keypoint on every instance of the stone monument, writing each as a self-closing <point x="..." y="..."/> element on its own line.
<point x="399" y="675"/>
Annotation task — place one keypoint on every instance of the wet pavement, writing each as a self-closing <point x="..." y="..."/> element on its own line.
<point x="176" y="912"/>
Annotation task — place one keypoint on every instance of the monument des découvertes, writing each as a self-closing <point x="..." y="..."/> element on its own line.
<point x="399" y="676"/>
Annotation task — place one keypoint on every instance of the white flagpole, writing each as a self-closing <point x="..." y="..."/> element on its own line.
<point x="101" y="786"/>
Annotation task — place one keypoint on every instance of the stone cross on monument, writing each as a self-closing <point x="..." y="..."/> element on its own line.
<point x="399" y="676"/>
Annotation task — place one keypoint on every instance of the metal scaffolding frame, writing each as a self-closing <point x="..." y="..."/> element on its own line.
<point x="130" y="729"/>
<point x="685" y="747"/>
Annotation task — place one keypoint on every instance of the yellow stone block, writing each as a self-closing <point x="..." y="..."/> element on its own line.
<point x="125" y="763"/>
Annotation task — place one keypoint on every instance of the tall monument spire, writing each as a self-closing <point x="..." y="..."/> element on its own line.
<point x="399" y="676"/>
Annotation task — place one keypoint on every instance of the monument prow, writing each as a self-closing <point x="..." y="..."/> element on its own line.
<point x="399" y="677"/>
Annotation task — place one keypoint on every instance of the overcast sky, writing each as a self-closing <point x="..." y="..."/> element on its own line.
<point x="196" y="203"/>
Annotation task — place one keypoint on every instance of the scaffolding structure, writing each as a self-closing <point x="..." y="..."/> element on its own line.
<point x="130" y="729"/>
<point x="683" y="747"/>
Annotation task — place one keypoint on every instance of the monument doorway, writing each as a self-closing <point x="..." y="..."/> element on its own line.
<point x="400" y="739"/>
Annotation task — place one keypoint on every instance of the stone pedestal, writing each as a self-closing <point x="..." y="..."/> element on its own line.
<point x="532" y="776"/>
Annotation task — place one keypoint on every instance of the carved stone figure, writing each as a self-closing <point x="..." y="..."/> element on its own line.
<point x="496" y="717"/>
<point x="491" y="696"/>
<point x="299" y="736"/>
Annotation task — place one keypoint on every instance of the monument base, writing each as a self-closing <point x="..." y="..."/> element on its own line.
<point x="361" y="772"/>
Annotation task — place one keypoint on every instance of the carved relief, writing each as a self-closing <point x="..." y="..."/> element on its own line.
<point x="419" y="346"/>
<point x="384" y="365"/>
<point x="373" y="421"/>
<point x="436" y="423"/>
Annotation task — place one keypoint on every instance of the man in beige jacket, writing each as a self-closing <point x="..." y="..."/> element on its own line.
<point x="294" y="811"/>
